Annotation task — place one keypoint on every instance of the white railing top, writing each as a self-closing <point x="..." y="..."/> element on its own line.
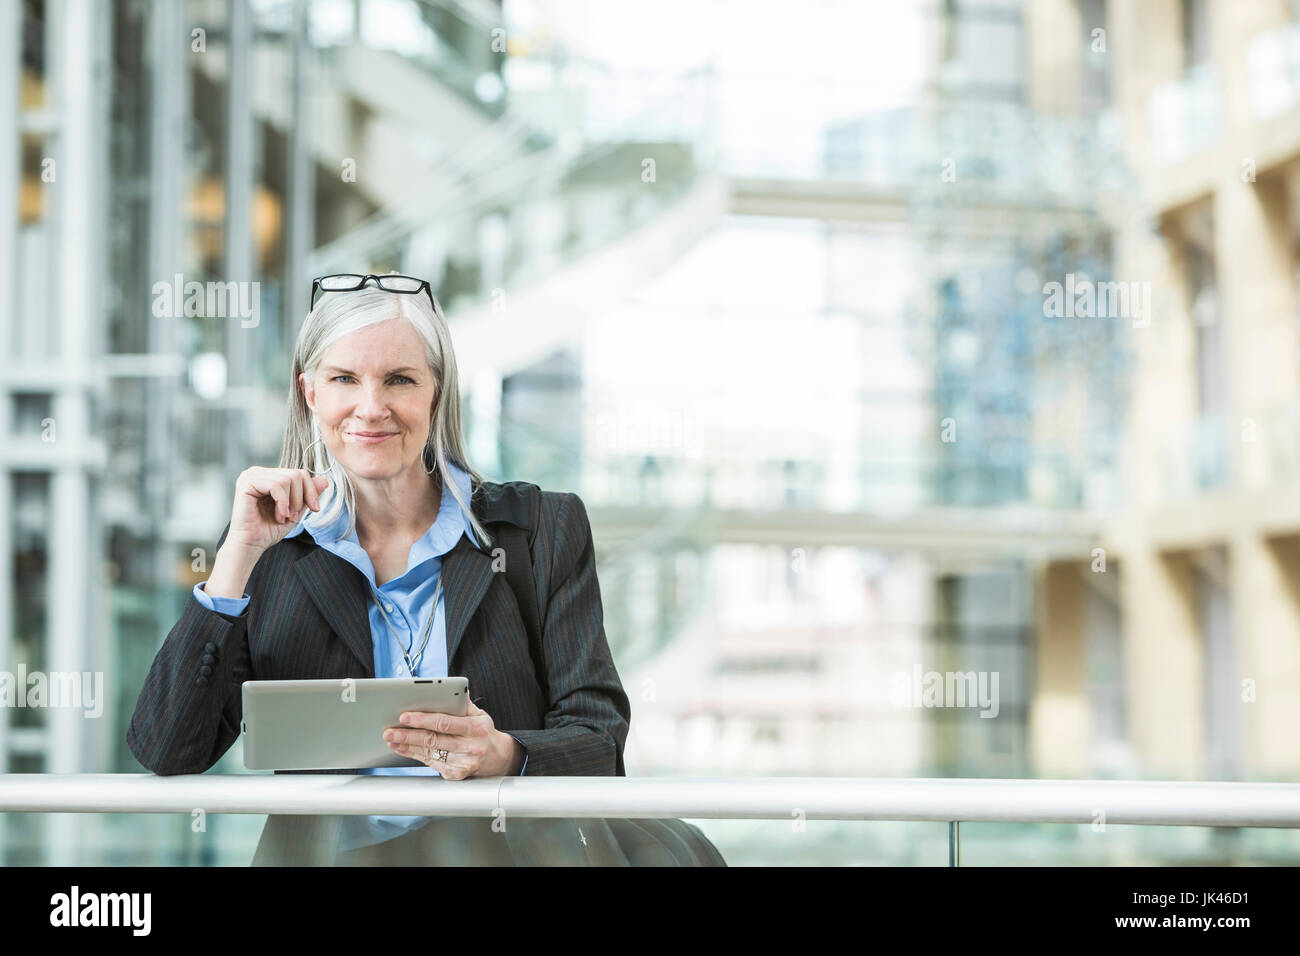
<point x="773" y="798"/>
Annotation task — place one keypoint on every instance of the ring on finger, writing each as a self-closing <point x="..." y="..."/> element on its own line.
<point x="436" y="752"/>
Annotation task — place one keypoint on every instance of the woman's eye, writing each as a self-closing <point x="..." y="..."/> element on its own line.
<point x="397" y="379"/>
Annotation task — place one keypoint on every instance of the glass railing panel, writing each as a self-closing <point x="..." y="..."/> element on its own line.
<point x="1273" y="71"/>
<point x="184" y="839"/>
<point x="520" y="221"/>
<point x="1103" y="844"/>
<point x="803" y="842"/>
<point x="128" y="839"/>
<point x="1000" y="149"/>
<point x="152" y="839"/>
<point x="443" y="40"/>
<point x="888" y="485"/>
<point x="1185" y="115"/>
<point x="1279" y="435"/>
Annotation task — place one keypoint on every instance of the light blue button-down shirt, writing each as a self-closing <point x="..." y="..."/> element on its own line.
<point x="406" y="601"/>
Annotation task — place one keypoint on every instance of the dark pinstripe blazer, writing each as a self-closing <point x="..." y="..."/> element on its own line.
<point x="307" y="618"/>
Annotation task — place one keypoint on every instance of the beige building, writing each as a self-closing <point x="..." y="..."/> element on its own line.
<point x="1202" y="558"/>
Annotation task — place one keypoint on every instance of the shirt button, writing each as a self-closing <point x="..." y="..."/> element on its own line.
<point x="388" y="607"/>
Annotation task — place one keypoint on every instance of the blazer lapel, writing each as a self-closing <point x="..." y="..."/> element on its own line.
<point x="466" y="574"/>
<point x="339" y="592"/>
<point x="467" y="570"/>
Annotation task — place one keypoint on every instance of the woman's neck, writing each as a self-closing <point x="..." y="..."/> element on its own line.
<point x="399" y="508"/>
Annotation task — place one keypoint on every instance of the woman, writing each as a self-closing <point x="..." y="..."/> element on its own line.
<point x="368" y="553"/>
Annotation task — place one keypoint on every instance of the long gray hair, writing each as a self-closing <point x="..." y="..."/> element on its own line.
<point x="337" y="315"/>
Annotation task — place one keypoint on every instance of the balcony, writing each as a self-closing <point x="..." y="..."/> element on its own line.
<point x="1195" y="457"/>
<point x="1273" y="72"/>
<point x="1184" y="116"/>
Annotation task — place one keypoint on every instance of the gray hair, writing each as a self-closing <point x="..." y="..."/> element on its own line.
<point x="337" y="315"/>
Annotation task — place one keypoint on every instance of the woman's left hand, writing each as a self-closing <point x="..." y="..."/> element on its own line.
<point x="475" y="748"/>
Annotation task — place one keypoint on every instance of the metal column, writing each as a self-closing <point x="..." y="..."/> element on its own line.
<point x="239" y="261"/>
<point x="11" y="21"/>
<point x="300" y="178"/>
<point x="168" y="49"/>
<point x="79" y="32"/>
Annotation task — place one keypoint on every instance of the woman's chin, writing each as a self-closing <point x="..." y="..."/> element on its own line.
<point x="374" y="467"/>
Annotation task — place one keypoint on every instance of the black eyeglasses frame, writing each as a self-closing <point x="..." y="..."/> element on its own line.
<point x="379" y="283"/>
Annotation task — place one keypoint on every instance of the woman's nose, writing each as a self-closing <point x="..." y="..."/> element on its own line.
<point x="371" y="403"/>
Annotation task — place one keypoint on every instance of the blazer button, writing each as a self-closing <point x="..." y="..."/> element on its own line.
<point x="208" y="659"/>
<point x="202" y="681"/>
<point x="205" y="670"/>
<point x="210" y="647"/>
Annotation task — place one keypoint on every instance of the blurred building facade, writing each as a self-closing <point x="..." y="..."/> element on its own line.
<point x="1207" y="539"/>
<point x="1198" y="569"/>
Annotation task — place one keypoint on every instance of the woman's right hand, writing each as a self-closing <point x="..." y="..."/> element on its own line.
<point x="268" y="503"/>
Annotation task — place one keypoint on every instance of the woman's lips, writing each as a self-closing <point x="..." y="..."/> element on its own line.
<point x="371" y="438"/>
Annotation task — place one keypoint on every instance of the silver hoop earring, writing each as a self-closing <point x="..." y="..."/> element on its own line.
<point x="434" y="470"/>
<point x="307" y="455"/>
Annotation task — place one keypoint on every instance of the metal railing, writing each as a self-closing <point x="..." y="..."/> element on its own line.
<point x="1159" y="803"/>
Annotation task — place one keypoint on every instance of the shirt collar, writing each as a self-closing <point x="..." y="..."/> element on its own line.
<point x="443" y="535"/>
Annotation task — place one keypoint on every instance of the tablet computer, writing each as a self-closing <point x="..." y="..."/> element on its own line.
<point x="338" y="724"/>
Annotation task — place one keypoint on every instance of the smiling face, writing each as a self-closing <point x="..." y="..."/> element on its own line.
<point x="373" y="396"/>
